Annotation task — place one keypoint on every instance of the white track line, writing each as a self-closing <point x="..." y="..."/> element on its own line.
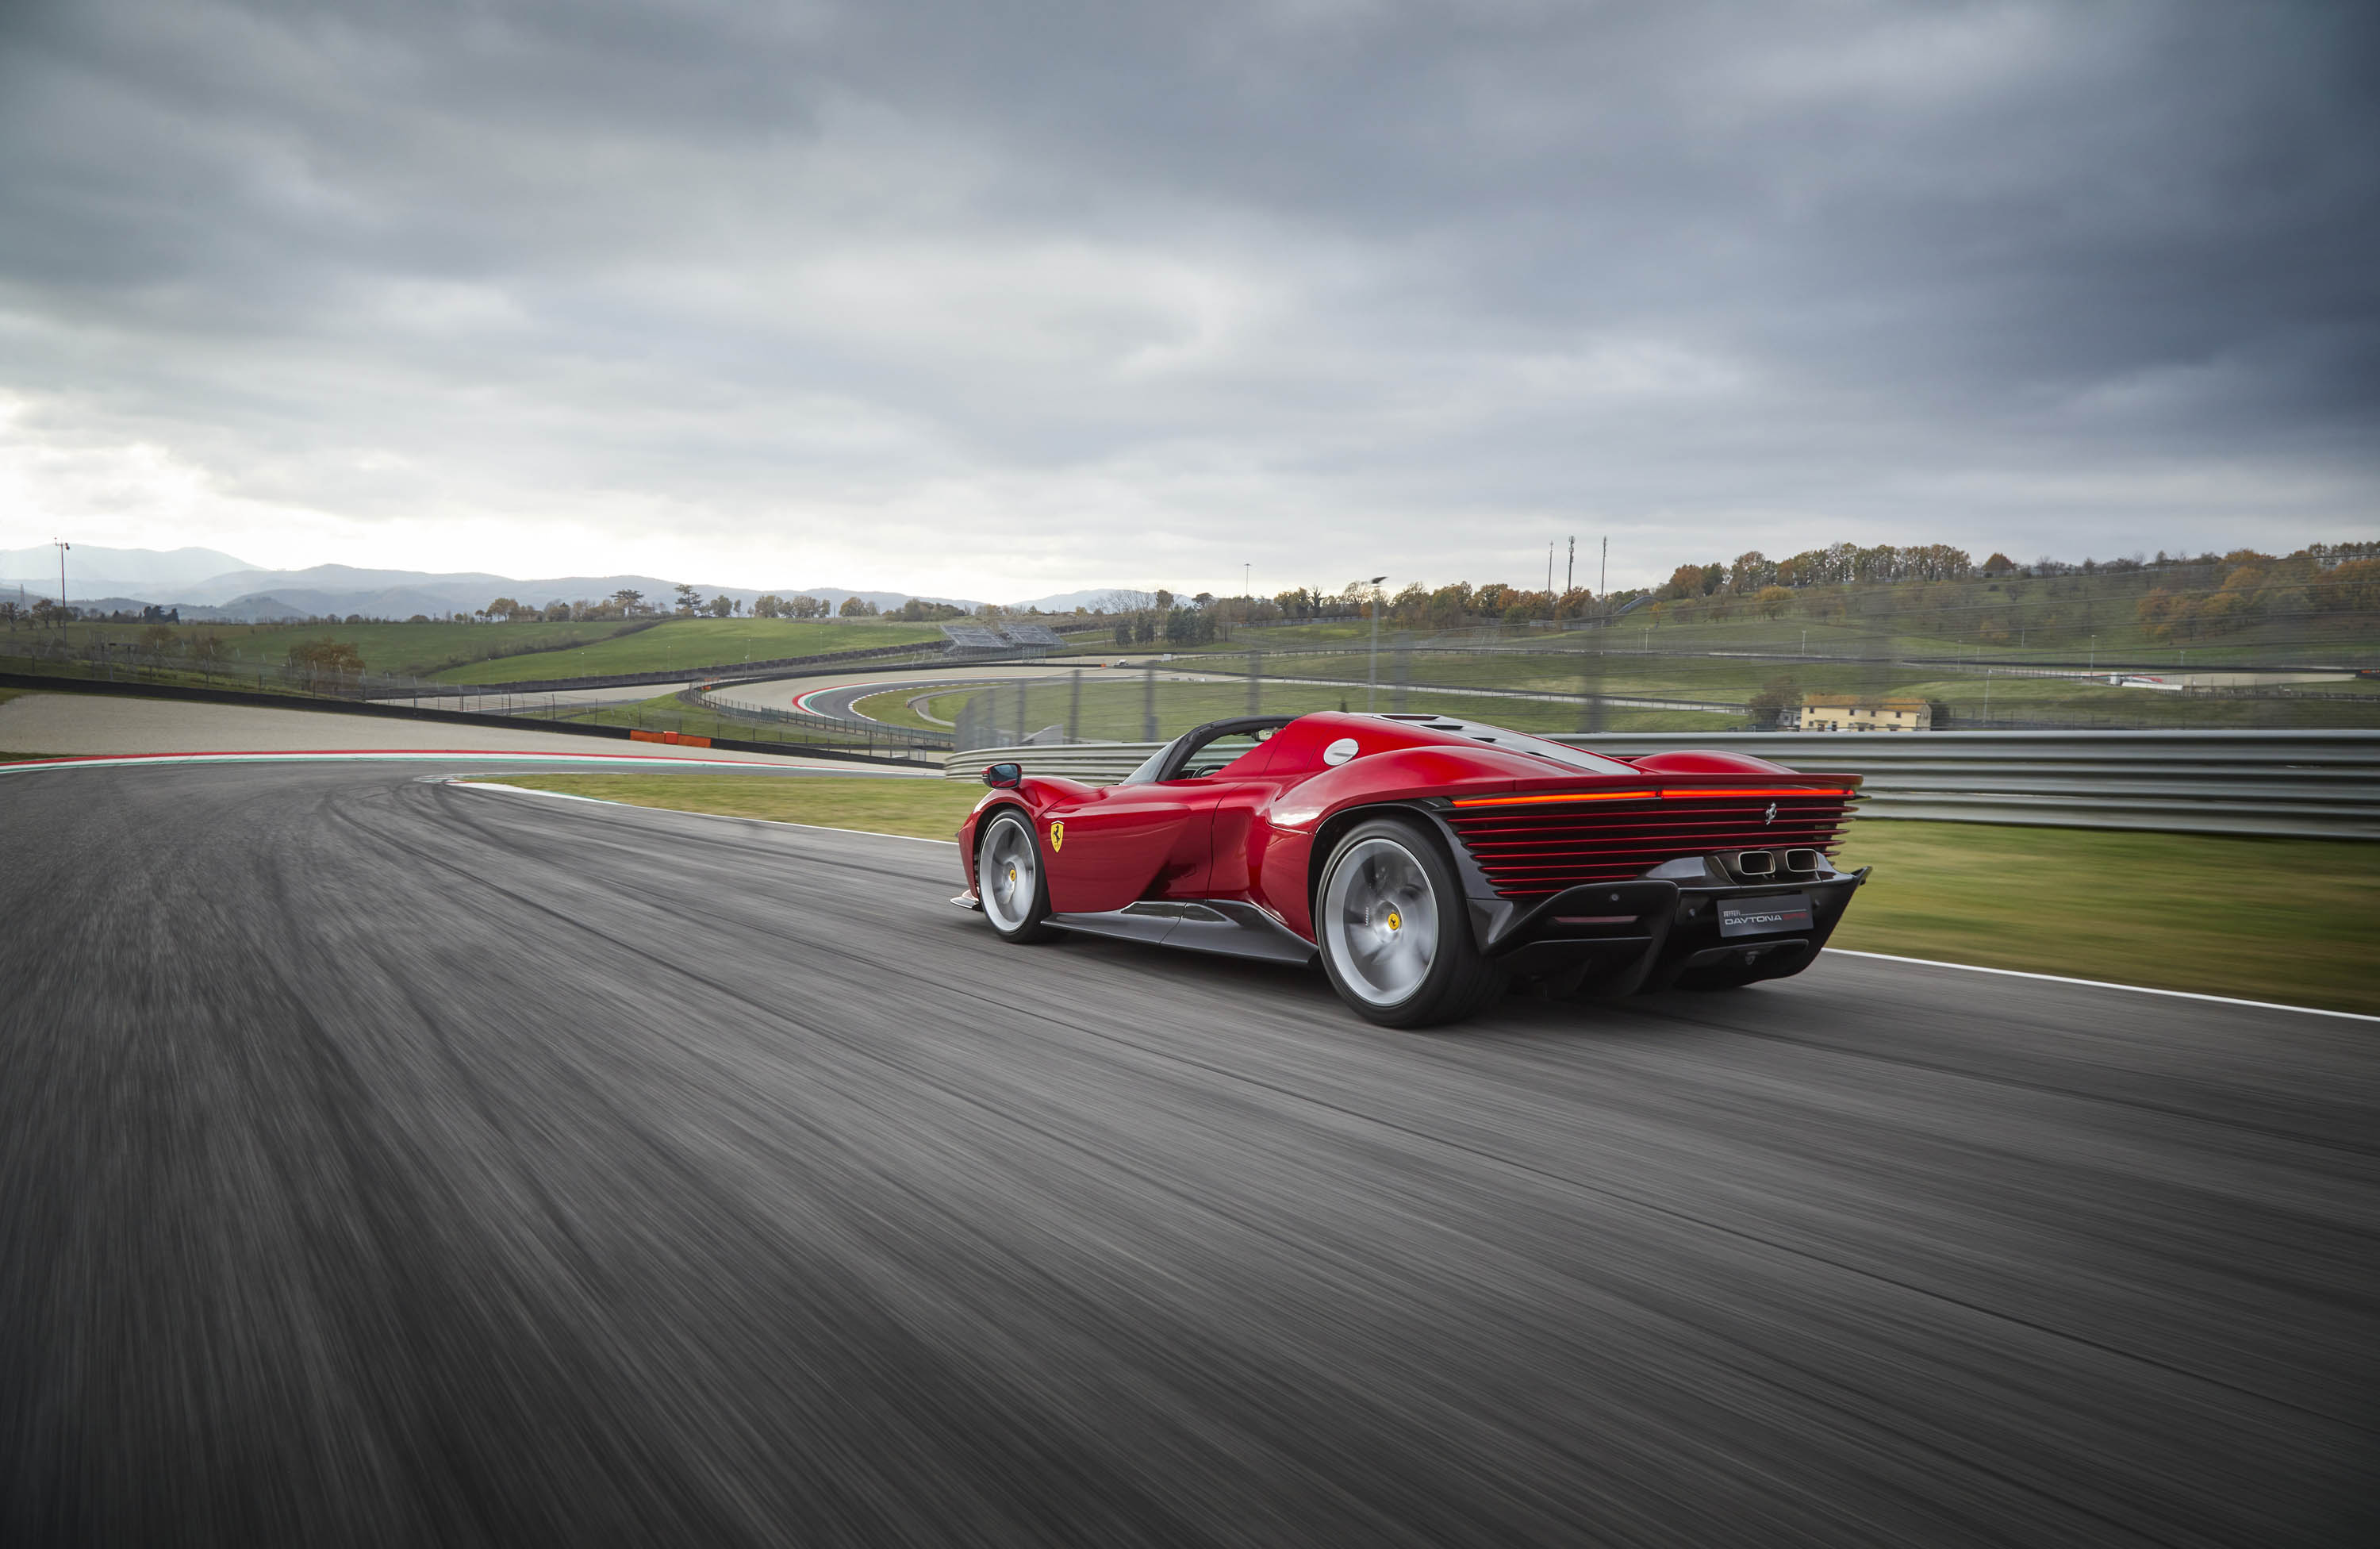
<point x="467" y="783"/>
<point x="2106" y="984"/>
<point x="1840" y="951"/>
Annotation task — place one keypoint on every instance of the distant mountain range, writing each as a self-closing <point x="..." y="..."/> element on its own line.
<point x="209" y="585"/>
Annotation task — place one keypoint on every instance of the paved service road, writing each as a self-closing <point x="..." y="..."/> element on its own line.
<point x="384" y="1162"/>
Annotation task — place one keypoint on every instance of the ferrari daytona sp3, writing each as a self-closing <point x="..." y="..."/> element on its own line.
<point x="1428" y="862"/>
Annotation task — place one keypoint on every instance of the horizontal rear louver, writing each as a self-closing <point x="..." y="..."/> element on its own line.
<point x="1530" y="851"/>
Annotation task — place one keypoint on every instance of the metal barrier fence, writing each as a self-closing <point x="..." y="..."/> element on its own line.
<point x="2320" y="784"/>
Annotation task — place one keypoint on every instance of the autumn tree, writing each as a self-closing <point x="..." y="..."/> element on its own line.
<point x="325" y="662"/>
<point x="1777" y="703"/>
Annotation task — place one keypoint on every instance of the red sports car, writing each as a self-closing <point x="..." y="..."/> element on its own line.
<point x="1429" y="861"/>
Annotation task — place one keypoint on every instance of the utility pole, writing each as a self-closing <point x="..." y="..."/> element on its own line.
<point x="1570" y="569"/>
<point x="1603" y="576"/>
<point x="1372" y="688"/>
<point x="62" y="546"/>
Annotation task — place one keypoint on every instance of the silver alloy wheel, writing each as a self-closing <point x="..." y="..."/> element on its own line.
<point x="1380" y="916"/>
<point x="1008" y="873"/>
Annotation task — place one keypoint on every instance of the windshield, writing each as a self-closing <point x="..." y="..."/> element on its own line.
<point x="1519" y="742"/>
<point x="1204" y="749"/>
<point x="1148" y="767"/>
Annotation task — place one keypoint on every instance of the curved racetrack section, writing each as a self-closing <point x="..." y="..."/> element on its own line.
<point x="387" y="1161"/>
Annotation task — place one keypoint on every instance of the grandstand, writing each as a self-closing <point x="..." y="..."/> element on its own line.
<point x="1004" y="639"/>
<point x="972" y="637"/>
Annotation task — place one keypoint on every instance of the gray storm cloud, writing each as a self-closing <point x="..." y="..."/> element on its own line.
<point x="1010" y="299"/>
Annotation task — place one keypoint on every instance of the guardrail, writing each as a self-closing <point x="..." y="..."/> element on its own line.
<point x="2320" y="784"/>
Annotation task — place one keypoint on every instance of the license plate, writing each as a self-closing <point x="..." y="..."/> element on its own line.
<point x="1753" y="917"/>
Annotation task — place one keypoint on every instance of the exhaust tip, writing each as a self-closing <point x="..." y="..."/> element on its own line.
<point x="1804" y="861"/>
<point x="1755" y="863"/>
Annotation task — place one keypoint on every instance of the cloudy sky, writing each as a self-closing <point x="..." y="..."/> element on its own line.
<point x="998" y="301"/>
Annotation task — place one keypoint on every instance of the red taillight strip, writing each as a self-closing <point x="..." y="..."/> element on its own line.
<point x="1557" y="796"/>
<point x="1713" y="792"/>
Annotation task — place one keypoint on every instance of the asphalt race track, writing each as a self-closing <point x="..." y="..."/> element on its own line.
<point x="381" y="1162"/>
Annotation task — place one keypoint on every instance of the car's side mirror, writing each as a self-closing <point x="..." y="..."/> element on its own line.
<point x="1000" y="776"/>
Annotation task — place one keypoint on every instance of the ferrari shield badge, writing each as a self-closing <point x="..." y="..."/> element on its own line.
<point x="1057" y="834"/>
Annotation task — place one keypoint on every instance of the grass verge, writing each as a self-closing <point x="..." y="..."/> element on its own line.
<point x="921" y="809"/>
<point x="2280" y="920"/>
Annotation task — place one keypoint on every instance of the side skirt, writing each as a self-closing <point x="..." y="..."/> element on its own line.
<point x="1220" y="925"/>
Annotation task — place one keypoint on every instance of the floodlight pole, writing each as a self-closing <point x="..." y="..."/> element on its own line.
<point x="1372" y="688"/>
<point x="62" y="546"/>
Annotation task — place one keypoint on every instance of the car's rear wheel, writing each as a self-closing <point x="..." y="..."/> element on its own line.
<point x="1395" y="938"/>
<point x="1010" y="881"/>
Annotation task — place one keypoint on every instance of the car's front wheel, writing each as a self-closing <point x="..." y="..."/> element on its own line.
<point x="1009" y="879"/>
<point x="1390" y="920"/>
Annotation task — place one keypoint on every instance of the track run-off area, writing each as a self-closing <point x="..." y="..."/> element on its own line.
<point x="387" y="1161"/>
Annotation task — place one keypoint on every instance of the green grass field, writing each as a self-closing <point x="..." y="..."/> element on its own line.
<point x="403" y="650"/>
<point x="923" y="809"/>
<point x="696" y="642"/>
<point x="2290" y="920"/>
<point x="500" y="653"/>
<point x="2281" y="919"/>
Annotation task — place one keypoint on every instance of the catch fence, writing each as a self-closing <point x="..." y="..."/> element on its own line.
<point x="2270" y="783"/>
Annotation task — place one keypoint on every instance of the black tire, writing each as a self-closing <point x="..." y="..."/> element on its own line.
<point x="1395" y="931"/>
<point x="1016" y="904"/>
